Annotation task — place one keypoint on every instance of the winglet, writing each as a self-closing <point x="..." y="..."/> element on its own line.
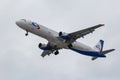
<point x="102" y="24"/>
<point x="99" y="25"/>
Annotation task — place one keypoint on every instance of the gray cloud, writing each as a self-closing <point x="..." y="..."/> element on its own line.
<point x="20" y="57"/>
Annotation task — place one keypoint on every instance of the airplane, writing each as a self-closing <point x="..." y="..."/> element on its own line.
<point x="62" y="40"/>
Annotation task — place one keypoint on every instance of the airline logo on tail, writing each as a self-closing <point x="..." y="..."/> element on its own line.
<point x="99" y="46"/>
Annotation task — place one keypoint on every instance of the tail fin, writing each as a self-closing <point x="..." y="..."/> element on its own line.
<point x="99" y="46"/>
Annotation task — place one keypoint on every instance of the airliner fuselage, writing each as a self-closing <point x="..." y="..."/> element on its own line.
<point x="61" y="40"/>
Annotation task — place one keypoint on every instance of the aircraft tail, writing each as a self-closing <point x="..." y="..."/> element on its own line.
<point x="99" y="48"/>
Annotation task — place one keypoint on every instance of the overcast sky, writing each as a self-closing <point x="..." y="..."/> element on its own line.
<point x="20" y="56"/>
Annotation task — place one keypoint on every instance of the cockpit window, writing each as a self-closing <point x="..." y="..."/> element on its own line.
<point x="23" y="20"/>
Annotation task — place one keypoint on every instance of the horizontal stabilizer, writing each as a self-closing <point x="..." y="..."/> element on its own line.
<point x="94" y="58"/>
<point x="107" y="51"/>
<point x="103" y="52"/>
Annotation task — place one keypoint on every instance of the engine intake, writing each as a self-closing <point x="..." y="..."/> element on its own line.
<point x="60" y="33"/>
<point x="64" y="35"/>
<point x="43" y="46"/>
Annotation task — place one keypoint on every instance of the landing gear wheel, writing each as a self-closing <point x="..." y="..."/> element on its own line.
<point x="26" y="33"/>
<point x="70" y="45"/>
<point x="56" y="53"/>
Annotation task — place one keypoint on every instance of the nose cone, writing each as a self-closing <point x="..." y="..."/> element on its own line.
<point x="18" y="23"/>
<point x="22" y="24"/>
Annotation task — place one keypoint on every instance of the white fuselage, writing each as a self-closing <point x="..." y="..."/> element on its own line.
<point x="53" y="37"/>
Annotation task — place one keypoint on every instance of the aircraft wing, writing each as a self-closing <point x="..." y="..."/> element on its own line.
<point x="46" y="52"/>
<point x="82" y="33"/>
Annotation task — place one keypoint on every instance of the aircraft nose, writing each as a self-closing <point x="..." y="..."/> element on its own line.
<point x="18" y="23"/>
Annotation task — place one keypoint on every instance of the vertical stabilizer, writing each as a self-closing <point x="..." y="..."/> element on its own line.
<point x="99" y="46"/>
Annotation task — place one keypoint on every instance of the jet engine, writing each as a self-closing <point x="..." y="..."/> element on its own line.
<point x="64" y="35"/>
<point x="43" y="46"/>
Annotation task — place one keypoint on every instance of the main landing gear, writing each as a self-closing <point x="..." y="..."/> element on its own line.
<point x="26" y="33"/>
<point x="56" y="52"/>
<point x="70" y="46"/>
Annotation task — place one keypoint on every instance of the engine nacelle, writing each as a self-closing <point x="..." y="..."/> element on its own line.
<point x="43" y="46"/>
<point x="64" y="35"/>
<point x="60" y="33"/>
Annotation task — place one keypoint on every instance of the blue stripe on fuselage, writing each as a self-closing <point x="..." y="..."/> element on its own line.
<point x="65" y="37"/>
<point x="89" y="53"/>
<point x="44" y="48"/>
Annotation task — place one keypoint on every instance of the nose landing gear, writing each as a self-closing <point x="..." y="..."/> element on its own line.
<point x="26" y="33"/>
